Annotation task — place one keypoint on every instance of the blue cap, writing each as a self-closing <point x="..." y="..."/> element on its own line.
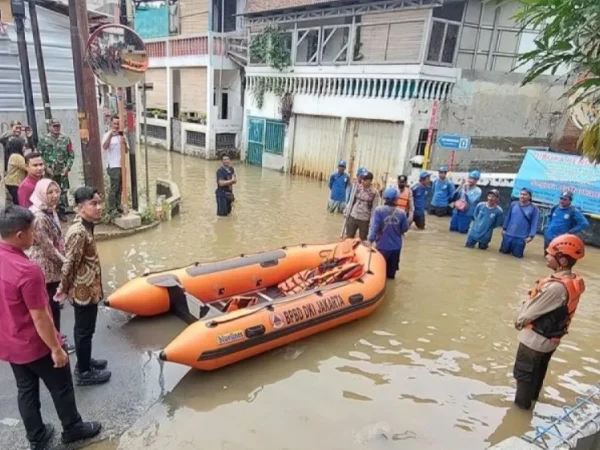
<point x="424" y="175"/>
<point x="342" y="163"/>
<point x="528" y="191"/>
<point x="567" y="194"/>
<point x="361" y="172"/>
<point x="475" y="174"/>
<point x="390" y="194"/>
<point x="443" y="169"/>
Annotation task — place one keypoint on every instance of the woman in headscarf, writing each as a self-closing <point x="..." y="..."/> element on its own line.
<point x="48" y="247"/>
<point x="16" y="170"/>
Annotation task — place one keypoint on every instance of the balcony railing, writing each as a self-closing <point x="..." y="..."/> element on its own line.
<point x="185" y="46"/>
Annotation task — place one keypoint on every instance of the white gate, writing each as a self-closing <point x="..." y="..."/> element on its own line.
<point x="315" y="151"/>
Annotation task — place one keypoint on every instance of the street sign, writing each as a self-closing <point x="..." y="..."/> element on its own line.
<point x="454" y="142"/>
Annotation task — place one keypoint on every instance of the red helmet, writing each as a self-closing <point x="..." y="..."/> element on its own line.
<point x="568" y="245"/>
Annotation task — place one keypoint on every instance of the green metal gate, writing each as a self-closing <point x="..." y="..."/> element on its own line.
<point x="264" y="135"/>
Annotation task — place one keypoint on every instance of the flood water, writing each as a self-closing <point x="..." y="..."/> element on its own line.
<point x="431" y="369"/>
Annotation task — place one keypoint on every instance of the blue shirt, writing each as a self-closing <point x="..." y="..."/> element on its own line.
<point x="443" y="190"/>
<point x="471" y="196"/>
<point x="388" y="224"/>
<point x="485" y="220"/>
<point x="521" y="220"/>
<point x="338" y="182"/>
<point x="420" y="193"/>
<point x="565" y="220"/>
<point x="224" y="173"/>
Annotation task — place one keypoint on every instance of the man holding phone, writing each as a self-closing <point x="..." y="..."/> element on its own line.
<point x="58" y="155"/>
<point x="112" y="141"/>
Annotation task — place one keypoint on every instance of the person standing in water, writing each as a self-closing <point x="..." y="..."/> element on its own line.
<point x="443" y="191"/>
<point x="405" y="200"/>
<point x="338" y="185"/>
<point x="545" y="317"/>
<point x="226" y="178"/>
<point x="520" y="225"/>
<point x="388" y="225"/>
<point x="360" y="211"/>
<point x="48" y="249"/>
<point x="564" y="218"/>
<point x="466" y="199"/>
<point x="420" y="191"/>
<point x="488" y="215"/>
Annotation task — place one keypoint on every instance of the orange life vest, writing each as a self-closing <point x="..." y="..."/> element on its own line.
<point x="235" y="303"/>
<point x="312" y="278"/>
<point x="555" y="324"/>
<point x="402" y="200"/>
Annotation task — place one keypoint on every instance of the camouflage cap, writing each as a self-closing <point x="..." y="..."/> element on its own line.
<point x="53" y="122"/>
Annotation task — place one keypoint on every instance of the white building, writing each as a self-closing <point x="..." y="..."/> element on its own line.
<point x="364" y="78"/>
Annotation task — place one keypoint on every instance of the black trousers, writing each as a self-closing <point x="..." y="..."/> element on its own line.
<point x="60" y="385"/>
<point x="116" y="187"/>
<point x="85" y="327"/>
<point x="529" y="371"/>
<point x="223" y="205"/>
<point x="51" y="288"/>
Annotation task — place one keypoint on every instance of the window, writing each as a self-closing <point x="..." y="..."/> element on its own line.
<point x="224" y="109"/>
<point x="442" y="42"/>
<point x="195" y="138"/>
<point x="423" y="141"/>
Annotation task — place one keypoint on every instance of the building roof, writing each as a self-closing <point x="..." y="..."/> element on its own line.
<point x="262" y="6"/>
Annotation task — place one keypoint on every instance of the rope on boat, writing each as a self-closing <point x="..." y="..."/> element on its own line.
<point x="579" y="421"/>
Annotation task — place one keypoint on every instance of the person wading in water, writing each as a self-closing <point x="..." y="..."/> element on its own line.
<point x="360" y="211"/>
<point x="545" y="317"/>
<point x="388" y="225"/>
<point x="225" y="180"/>
<point x="405" y="200"/>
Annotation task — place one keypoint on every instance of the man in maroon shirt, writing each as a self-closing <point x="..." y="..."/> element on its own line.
<point x="35" y="172"/>
<point x="28" y="339"/>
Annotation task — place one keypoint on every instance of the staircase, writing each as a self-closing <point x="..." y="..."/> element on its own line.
<point x="237" y="49"/>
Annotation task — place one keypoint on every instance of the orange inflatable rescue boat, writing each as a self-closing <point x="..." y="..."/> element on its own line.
<point x="240" y="307"/>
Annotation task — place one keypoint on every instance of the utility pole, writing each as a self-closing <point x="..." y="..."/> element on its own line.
<point x="18" y="12"/>
<point x="39" y="55"/>
<point x="85" y="88"/>
<point x="130" y="119"/>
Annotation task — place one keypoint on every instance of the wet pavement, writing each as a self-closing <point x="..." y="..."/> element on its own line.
<point x="430" y="369"/>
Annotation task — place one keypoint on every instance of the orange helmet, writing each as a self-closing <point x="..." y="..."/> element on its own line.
<point x="568" y="245"/>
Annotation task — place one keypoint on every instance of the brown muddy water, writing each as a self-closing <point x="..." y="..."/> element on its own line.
<point x="431" y="369"/>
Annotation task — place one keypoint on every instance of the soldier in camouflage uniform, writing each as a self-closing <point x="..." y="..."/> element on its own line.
<point x="57" y="152"/>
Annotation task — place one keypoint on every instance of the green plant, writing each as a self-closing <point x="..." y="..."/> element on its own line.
<point x="148" y="215"/>
<point x="569" y="38"/>
<point x="269" y="47"/>
<point x="258" y="92"/>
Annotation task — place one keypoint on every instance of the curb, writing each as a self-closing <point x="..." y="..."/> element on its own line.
<point x="115" y="234"/>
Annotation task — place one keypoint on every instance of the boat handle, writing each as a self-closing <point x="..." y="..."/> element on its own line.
<point x="270" y="263"/>
<point x="356" y="298"/>
<point x="255" y="331"/>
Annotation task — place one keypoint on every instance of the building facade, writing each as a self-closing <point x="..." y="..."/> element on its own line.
<point x="367" y="80"/>
<point x="195" y="106"/>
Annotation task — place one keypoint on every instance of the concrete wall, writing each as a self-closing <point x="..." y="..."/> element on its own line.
<point x="501" y="116"/>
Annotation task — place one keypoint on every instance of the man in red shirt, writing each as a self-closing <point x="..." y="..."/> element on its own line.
<point x="28" y="339"/>
<point x="35" y="172"/>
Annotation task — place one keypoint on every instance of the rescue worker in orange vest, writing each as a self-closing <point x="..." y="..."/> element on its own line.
<point x="545" y="317"/>
<point x="405" y="199"/>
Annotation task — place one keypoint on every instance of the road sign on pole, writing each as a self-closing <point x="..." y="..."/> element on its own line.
<point x="454" y="142"/>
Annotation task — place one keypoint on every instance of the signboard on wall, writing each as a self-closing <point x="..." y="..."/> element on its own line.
<point x="547" y="174"/>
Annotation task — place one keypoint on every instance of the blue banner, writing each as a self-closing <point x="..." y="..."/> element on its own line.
<point x="547" y="174"/>
<point x="151" y="22"/>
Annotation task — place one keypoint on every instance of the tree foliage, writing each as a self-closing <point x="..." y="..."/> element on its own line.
<point x="569" y="37"/>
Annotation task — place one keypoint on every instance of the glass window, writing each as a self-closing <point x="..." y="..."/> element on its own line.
<point x="450" y="11"/>
<point x="450" y="43"/>
<point x="436" y="41"/>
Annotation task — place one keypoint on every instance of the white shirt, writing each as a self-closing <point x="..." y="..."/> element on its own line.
<point x="114" y="150"/>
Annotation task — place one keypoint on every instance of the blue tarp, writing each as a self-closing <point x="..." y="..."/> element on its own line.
<point x="548" y="174"/>
<point x="152" y="22"/>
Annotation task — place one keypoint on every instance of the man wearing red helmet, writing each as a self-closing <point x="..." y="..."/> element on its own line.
<point x="545" y="317"/>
